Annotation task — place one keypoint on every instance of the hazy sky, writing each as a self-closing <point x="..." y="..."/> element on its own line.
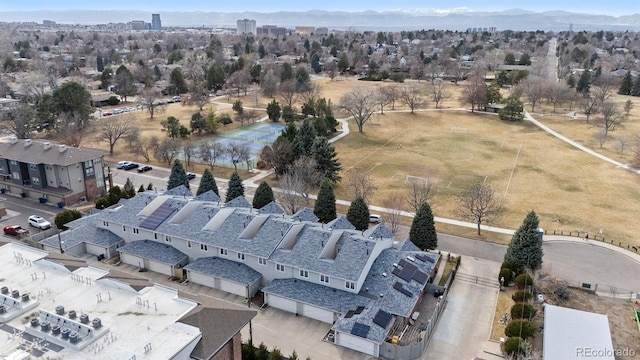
<point x="611" y="7"/>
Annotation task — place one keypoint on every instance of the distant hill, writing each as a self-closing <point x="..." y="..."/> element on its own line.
<point x="514" y="19"/>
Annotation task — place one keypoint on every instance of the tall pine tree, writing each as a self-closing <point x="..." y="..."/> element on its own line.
<point x="326" y="159"/>
<point x="525" y="248"/>
<point x="584" y="83"/>
<point x="635" y="90"/>
<point x="207" y="183"/>
<point x="129" y="189"/>
<point x="627" y="84"/>
<point x="304" y="139"/>
<point x="358" y="214"/>
<point x="263" y="195"/>
<point x="178" y="176"/>
<point x="235" y="187"/>
<point x="325" y="208"/>
<point x="423" y="229"/>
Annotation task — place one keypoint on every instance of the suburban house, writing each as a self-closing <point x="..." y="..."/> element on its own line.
<point x="51" y="172"/>
<point x="59" y="307"/>
<point x="359" y="281"/>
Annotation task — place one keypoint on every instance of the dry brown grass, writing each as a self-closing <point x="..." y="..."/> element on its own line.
<point x="569" y="189"/>
<point x="503" y="306"/>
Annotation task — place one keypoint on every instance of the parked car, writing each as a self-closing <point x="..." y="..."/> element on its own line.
<point x="122" y="164"/>
<point x="39" y="222"/>
<point x="191" y="176"/>
<point x="144" y="168"/>
<point x="375" y="219"/>
<point x="15" y="230"/>
<point x="130" y="166"/>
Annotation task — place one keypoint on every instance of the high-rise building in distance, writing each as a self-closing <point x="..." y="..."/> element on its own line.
<point x="246" y="26"/>
<point x="155" y="22"/>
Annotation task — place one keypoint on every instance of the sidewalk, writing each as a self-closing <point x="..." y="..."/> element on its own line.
<point x="560" y="238"/>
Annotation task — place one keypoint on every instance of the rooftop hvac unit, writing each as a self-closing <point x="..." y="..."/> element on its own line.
<point x="25" y="297"/>
<point x="73" y="338"/>
<point x="55" y="330"/>
<point x="72" y="314"/>
<point x="15" y="294"/>
<point x="62" y="148"/>
<point x="84" y="318"/>
<point x="3" y="310"/>
<point x="97" y="323"/>
<point x="65" y="333"/>
<point x="47" y="145"/>
<point x="45" y="326"/>
<point x="4" y="290"/>
<point x="13" y="139"/>
<point x="59" y="310"/>
<point x="35" y="322"/>
<point x="28" y="142"/>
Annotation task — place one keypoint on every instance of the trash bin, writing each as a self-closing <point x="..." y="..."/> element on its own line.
<point x="3" y="190"/>
<point x="43" y="200"/>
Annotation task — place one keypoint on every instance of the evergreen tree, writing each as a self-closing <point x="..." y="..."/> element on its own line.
<point x="571" y="81"/>
<point x="325" y="208"/>
<point x="273" y="110"/>
<point x="326" y="159"/>
<point x="635" y="91"/>
<point x="235" y="187"/>
<point x="208" y="182"/>
<point x="141" y="189"/>
<point x="627" y="84"/>
<point x="423" y="229"/>
<point x="584" y="84"/>
<point x="99" y="64"/>
<point x="129" y="189"/>
<point x="263" y="195"/>
<point x="525" y="248"/>
<point x="358" y="214"/>
<point x="304" y="139"/>
<point x="150" y="186"/>
<point x="178" y="176"/>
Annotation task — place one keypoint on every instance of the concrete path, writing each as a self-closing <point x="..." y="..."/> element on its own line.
<point x="465" y="324"/>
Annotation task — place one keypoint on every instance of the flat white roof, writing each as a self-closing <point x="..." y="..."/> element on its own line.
<point x="134" y="324"/>
<point x="575" y="334"/>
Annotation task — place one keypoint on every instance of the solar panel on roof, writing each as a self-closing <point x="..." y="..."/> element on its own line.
<point x="348" y="314"/>
<point x="420" y="277"/>
<point x="397" y="286"/>
<point x="157" y="217"/>
<point x="360" y="330"/>
<point x="396" y="271"/>
<point x="400" y="288"/>
<point x="382" y="319"/>
<point x="359" y="309"/>
<point x="402" y="262"/>
<point x="407" y="272"/>
<point x="421" y="257"/>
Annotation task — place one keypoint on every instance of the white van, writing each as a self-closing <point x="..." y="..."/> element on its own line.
<point x="375" y="219"/>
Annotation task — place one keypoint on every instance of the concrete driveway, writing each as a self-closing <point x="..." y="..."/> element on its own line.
<point x="465" y="324"/>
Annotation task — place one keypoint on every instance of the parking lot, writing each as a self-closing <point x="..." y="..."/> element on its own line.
<point x="19" y="210"/>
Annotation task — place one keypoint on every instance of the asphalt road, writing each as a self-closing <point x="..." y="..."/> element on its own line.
<point x="25" y="208"/>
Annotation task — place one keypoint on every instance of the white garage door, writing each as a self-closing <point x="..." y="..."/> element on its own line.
<point x="132" y="260"/>
<point x="96" y="250"/>
<point x="233" y="288"/>
<point x="356" y="343"/>
<point x="201" y="279"/>
<point x="281" y="303"/>
<point x="316" y="313"/>
<point x="159" y="267"/>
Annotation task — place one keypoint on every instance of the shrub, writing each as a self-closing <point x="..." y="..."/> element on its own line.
<point x="508" y="265"/>
<point x="113" y="100"/>
<point x="523" y="328"/>
<point x="514" y="345"/>
<point x="523" y="280"/>
<point x="225" y="119"/>
<point x="521" y="296"/>
<point x="506" y="274"/>
<point x="523" y="311"/>
<point x="66" y="216"/>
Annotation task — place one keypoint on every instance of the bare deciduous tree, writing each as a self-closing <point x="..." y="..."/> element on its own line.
<point x="307" y="169"/>
<point x="534" y="89"/>
<point x="149" y="99"/>
<point x="393" y="217"/>
<point x="113" y="129"/>
<point x="188" y="151"/>
<point x="145" y="147"/>
<point x="590" y="105"/>
<point x="412" y="97"/>
<point x="474" y="93"/>
<point x="419" y="192"/>
<point x="20" y="121"/>
<point x="211" y="152"/>
<point x="237" y="152"/>
<point x="439" y="91"/>
<point x="359" y="104"/>
<point x="71" y="128"/>
<point x="199" y="95"/>
<point x="167" y="150"/>
<point x="611" y="117"/>
<point x="362" y="183"/>
<point x="288" y="92"/>
<point x="292" y="186"/>
<point x="480" y="204"/>
<point x="383" y="98"/>
<point x="269" y="84"/>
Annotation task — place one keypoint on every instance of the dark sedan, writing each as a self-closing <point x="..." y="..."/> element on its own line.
<point x="130" y="166"/>
<point x="144" y="168"/>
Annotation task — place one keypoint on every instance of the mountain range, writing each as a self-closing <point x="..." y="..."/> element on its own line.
<point x="514" y="19"/>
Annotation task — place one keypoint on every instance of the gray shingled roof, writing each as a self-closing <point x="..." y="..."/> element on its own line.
<point x="378" y="231"/>
<point x="225" y="269"/>
<point x="272" y="208"/>
<point x="376" y="283"/>
<point x="179" y="190"/>
<point x="239" y="202"/>
<point x="318" y="295"/>
<point x="83" y="234"/>
<point x="376" y="334"/>
<point x="208" y="196"/>
<point x="155" y="251"/>
<point x="348" y="264"/>
<point x="305" y="214"/>
<point x="36" y="154"/>
<point x="341" y="222"/>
